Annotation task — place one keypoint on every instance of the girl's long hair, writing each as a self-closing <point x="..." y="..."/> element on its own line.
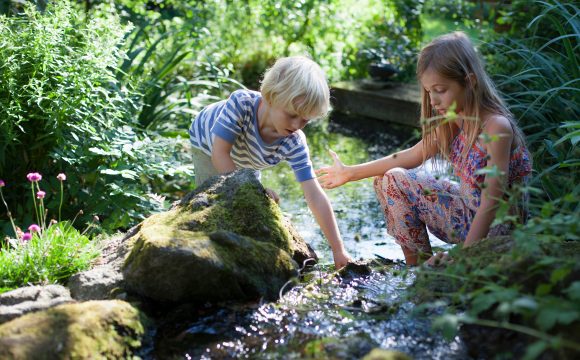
<point x="453" y="56"/>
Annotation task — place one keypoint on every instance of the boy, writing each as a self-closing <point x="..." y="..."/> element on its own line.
<point x="256" y="130"/>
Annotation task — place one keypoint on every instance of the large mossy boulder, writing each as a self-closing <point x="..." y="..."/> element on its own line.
<point x="225" y="241"/>
<point x="90" y="330"/>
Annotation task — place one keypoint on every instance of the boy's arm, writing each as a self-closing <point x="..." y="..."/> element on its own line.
<point x="220" y="156"/>
<point x="322" y="210"/>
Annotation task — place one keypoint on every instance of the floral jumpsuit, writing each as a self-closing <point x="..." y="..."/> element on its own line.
<point x="413" y="200"/>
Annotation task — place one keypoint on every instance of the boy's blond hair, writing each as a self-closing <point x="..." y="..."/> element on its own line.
<point x="297" y="85"/>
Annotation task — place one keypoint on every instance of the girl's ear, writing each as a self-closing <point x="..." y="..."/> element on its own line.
<point x="471" y="80"/>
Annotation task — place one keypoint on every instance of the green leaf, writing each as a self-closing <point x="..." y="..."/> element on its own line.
<point x="573" y="291"/>
<point x="559" y="274"/>
<point x="543" y="289"/>
<point x="550" y="315"/>
<point x="535" y="350"/>
<point x="448" y="324"/>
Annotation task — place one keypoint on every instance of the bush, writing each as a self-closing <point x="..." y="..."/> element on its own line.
<point x="62" y="109"/>
<point x="538" y="71"/>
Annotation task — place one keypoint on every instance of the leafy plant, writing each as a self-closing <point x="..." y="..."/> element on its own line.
<point x="48" y="257"/>
<point x="46" y="253"/>
<point x="63" y="108"/>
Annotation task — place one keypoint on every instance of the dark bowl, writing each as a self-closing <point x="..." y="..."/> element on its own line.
<point x="382" y="71"/>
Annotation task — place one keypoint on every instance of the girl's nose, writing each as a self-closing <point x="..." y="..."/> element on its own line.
<point x="434" y="100"/>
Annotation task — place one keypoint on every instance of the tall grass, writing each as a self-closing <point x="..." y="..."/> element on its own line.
<point x="538" y="73"/>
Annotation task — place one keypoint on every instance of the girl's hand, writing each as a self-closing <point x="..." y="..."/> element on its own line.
<point x="333" y="176"/>
<point x="439" y="259"/>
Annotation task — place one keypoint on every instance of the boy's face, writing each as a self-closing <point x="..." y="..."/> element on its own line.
<point x="286" y="122"/>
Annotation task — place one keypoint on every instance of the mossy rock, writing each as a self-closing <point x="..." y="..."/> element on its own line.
<point x="225" y="241"/>
<point x="382" y="354"/>
<point x="90" y="330"/>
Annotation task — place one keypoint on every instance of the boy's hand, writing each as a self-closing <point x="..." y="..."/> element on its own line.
<point x="333" y="176"/>
<point x="341" y="259"/>
<point x="271" y="193"/>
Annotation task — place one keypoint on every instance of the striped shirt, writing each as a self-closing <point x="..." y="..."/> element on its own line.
<point x="235" y="120"/>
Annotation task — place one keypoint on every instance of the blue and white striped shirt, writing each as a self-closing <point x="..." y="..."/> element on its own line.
<point x="235" y="120"/>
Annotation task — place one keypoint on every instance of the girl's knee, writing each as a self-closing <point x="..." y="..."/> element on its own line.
<point x="392" y="177"/>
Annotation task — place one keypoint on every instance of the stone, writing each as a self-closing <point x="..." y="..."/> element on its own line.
<point x="91" y="330"/>
<point x="225" y="241"/>
<point x="105" y="280"/>
<point x="383" y="354"/>
<point x="28" y="299"/>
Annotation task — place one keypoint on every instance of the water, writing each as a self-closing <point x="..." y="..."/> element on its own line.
<point x="323" y="315"/>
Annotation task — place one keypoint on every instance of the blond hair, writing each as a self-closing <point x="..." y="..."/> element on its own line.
<point x="297" y="85"/>
<point x="453" y="56"/>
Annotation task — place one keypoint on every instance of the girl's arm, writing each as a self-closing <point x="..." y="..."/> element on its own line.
<point x="500" y="133"/>
<point x="322" y="210"/>
<point x="220" y="155"/>
<point x="339" y="174"/>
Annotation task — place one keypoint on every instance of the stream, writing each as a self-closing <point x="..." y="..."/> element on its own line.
<point x="323" y="316"/>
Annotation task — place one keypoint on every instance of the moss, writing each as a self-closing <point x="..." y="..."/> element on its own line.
<point x="258" y="216"/>
<point x="382" y="354"/>
<point x="249" y="212"/>
<point x="94" y="329"/>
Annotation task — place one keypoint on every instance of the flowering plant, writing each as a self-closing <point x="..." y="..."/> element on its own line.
<point x="46" y="252"/>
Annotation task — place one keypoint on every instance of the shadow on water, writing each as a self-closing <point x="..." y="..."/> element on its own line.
<point x="323" y="315"/>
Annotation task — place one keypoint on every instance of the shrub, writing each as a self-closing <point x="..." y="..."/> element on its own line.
<point x="63" y="109"/>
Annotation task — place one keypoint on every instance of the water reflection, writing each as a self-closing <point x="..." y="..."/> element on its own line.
<point x="359" y="218"/>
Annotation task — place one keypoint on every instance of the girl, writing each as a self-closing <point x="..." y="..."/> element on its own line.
<point x="465" y="122"/>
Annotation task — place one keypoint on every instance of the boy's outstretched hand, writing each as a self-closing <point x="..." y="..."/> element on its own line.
<point x="273" y="195"/>
<point x="333" y="176"/>
<point x="341" y="259"/>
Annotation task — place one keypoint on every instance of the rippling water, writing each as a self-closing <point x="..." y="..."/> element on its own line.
<point x="323" y="315"/>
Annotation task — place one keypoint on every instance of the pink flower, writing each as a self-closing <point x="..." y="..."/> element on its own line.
<point x="40" y="194"/>
<point x="34" y="228"/>
<point x="34" y="177"/>
<point x="61" y="177"/>
<point x="2" y="183"/>
<point x="26" y="236"/>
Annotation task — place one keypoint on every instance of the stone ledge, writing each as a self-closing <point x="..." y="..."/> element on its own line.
<point x="395" y="102"/>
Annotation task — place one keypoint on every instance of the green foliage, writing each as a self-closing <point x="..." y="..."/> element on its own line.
<point x="246" y="36"/>
<point x="538" y="73"/>
<point x="63" y="109"/>
<point x="50" y="257"/>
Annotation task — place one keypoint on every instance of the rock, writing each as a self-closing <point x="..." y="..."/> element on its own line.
<point x="90" y="330"/>
<point x="24" y="300"/>
<point x="382" y="354"/>
<point x="225" y="241"/>
<point x="98" y="283"/>
<point x="348" y="347"/>
<point x="105" y="280"/>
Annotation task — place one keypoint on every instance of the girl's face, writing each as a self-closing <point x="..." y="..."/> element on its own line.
<point x="443" y="92"/>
